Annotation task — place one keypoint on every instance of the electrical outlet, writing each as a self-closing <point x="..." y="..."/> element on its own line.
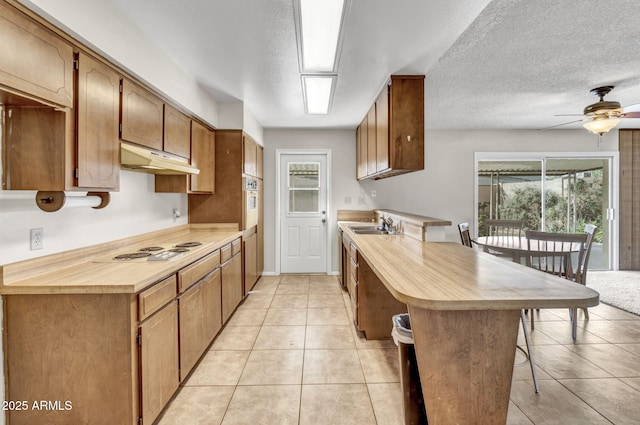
<point x="37" y="238"/>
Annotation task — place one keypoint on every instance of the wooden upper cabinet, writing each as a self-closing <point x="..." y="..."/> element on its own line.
<point x="54" y="149"/>
<point x="382" y="130"/>
<point x="371" y="140"/>
<point x="406" y="122"/>
<point x="250" y="156"/>
<point x="142" y="116"/>
<point x="98" y="145"/>
<point x="259" y="161"/>
<point x="203" y="151"/>
<point x="33" y="60"/>
<point x="361" y="150"/>
<point x="177" y="132"/>
<point x="390" y="140"/>
<point x="203" y="157"/>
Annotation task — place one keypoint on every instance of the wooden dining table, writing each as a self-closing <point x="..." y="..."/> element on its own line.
<point x="517" y="247"/>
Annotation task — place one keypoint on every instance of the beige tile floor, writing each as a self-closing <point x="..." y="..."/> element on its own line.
<point x="290" y="355"/>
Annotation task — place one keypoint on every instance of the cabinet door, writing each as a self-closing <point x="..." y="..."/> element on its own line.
<point x="97" y="139"/>
<point x="142" y="114"/>
<point x="250" y="262"/>
<point x="33" y="60"/>
<point x="260" y="229"/>
<point x="249" y="155"/>
<point x="191" y="308"/>
<point x="361" y="157"/>
<point x="203" y="153"/>
<point x="158" y="361"/>
<point x="177" y="132"/>
<point x="382" y="130"/>
<point x="231" y="286"/>
<point x="371" y="140"/>
<point x="212" y="305"/>
<point x="259" y="161"/>
<point x="406" y="122"/>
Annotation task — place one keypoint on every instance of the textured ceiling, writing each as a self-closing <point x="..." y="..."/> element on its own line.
<point x="501" y="64"/>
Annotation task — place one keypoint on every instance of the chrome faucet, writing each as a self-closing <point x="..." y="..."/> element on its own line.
<point x="386" y="223"/>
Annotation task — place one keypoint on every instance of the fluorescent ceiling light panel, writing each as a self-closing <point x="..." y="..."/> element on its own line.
<point x="320" y="21"/>
<point x="317" y="93"/>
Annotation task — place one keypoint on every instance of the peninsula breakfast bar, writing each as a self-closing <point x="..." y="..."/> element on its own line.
<point x="465" y="311"/>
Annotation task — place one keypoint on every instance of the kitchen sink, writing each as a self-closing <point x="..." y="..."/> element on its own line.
<point x="368" y="230"/>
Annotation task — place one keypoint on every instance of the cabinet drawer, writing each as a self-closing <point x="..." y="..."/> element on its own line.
<point x="354" y="269"/>
<point x="354" y="310"/>
<point x="152" y="299"/>
<point x="353" y="251"/>
<point x="353" y="289"/>
<point x="196" y="271"/>
<point x="236" y="246"/>
<point x="225" y="253"/>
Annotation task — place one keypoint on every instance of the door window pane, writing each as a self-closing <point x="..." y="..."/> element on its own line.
<point x="304" y="187"/>
<point x="303" y="201"/>
<point x="510" y="190"/>
<point x="577" y="194"/>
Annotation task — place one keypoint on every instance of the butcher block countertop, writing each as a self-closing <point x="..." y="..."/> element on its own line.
<point x="84" y="270"/>
<point x="449" y="276"/>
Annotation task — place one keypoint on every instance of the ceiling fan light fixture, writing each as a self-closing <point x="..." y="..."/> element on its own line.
<point x="601" y="125"/>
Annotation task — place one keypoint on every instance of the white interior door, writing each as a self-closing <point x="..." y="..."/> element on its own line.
<point x="303" y="213"/>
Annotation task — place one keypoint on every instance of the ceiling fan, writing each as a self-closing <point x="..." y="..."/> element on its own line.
<point x="601" y="116"/>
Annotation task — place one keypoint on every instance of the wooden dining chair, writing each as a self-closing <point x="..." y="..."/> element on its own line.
<point x="465" y="236"/>
<point x="503" y="232"/>
<point x="580" y="274"/>
<point x="511" y="228"/>
<point x="552" y="253"/>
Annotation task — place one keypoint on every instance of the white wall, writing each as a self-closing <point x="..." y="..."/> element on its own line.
<point x="444" y="189"/>
<point x="135" y="209"/>
<point x="343" y="171"/>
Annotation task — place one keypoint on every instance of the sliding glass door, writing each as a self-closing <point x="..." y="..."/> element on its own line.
<point x="577" y="190"/>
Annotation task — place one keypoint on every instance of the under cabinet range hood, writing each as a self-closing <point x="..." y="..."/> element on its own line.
<point x="136" y="158"/>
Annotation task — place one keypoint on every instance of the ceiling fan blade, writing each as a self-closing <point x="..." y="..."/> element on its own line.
<point x="560" y="125"/>
<point x="630" y="115"/>
<point x="632" y="107"/>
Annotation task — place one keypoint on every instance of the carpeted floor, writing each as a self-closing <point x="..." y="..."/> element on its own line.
<point x="617" y="288"/>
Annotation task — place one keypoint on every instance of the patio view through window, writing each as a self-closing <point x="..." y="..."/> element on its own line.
<point x="304" y="187"/>
<point x="576" y="192"/>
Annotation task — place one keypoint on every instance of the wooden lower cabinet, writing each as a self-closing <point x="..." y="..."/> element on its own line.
<point x="191" y="328"/>
<point x="372" y="304"/>
<point x="200" y="319"/>
<point x="159" y="378"/>
<point x="376" y="305"/>
<point x="212" y="305"/>
<point x="109" y="359"/>
<point x="232" y="291"/>
<point x="250" y="262"/>
<point x="79" y="349"/>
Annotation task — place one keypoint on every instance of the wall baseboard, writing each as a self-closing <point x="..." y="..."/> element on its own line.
<point x="331" y="273"/>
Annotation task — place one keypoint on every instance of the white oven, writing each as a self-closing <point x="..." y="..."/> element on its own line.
<point x="250" y="203"/>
